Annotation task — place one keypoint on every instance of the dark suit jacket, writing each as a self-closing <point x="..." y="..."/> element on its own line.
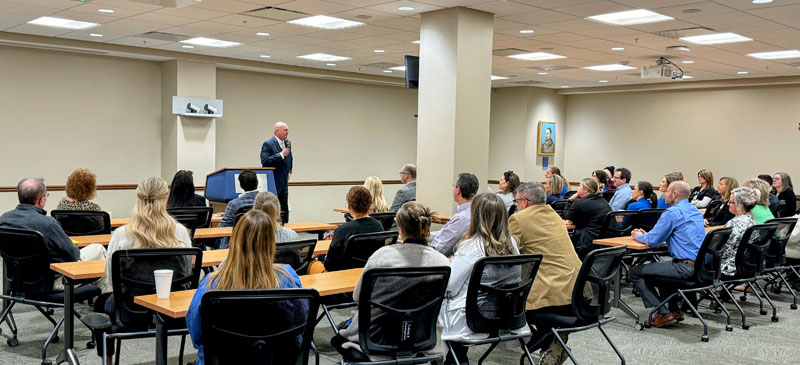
<point x="271" y="157"/>
<point x="588" y="214"/>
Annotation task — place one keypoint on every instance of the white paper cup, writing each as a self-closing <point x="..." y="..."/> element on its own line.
<point x="163" y="283"/>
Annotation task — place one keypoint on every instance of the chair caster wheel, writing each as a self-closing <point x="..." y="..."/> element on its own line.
<point x="12" y="342"/>
<point x="48" y="362"/>
<point x="638" y="326"/>
<point x="704" y="338"/>
<point x="729" y="328"/>
<point x="745" y="326"/>
<point x="90" y="345"/>
<point x="55" y="339"/>
<point x="774" y="319"/>
<point x="793" y="306"/>
<point x="763" y="312"/>
<point x="647" y="325"/>
<point x="743" y="298"/>
<point x="50" y="311"/>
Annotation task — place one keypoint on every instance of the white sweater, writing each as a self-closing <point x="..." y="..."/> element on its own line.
<point x="120" y="240"/>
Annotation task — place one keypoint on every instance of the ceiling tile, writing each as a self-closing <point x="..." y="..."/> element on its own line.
<point x="127" y="4"/>
<point x="162" y="19"/>
<point x="315" y="7"/>
<point x="92" y="8"/>
<point x="247" y="21"/>
<point x="38" y="30"/>
<point x="391" y="7"/>
<point x="592" y="8"/>
<point x="228" y="6"/>
<point x="191" y="12"/>
<point x="52" y="4"/>
<point x="539" y="17"/>
<point x="504" y="8"/>
<point x="138" y="42"/>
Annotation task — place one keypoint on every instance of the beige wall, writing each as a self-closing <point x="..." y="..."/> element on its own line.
<point x="734" y="132"/>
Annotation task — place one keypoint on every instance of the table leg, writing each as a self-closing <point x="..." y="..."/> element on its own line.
<point x="69" y="323"/>
<point x="161" y="340"/>
<point x="618" y="302"/>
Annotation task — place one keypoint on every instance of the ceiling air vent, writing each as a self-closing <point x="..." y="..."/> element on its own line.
<point x="161" y="36"/>
<point x="508" y="52"/>
<point x="685" y="32"/>
<point x="275" y="13"/>
<point x="551" y="67"/>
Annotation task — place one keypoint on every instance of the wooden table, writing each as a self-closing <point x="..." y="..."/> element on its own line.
<point x="435" y="219"/>
<point x="119" y="222"/>
<point x="177" y="304"/>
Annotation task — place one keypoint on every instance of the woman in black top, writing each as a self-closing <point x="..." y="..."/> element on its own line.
<point x="718" y="214"/>
<point x="587" y="213"/>
<point x="783" y="186"/>
<point x="705" y="193"/>
<point x="181" y="192"/>
<point x="359" y="201"/>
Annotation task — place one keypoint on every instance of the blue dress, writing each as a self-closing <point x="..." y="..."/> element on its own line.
<point x="640" y="204"/>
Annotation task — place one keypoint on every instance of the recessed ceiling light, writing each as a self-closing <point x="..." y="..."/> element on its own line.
<point x="686" y="77"/>
<point x="716" y="38"/>
<point x="603" y="81"/>
<point x="742" y="72"/>
<point x="617" y="48"/>
<point x="405" y="8"/>
<point x="263" y="34"/>
<point x="47" y="21"/>
<point x="398" y="68"/>
<point x="325" y="22"/>
<point x="630" y="17"/>
<point x="264" y="56"/>
<point x="762" y="1"/>
<point x="536" y="56"/>
<point x="107" y="11"/>
<point x="210" y="42"/>
<point x="416" y="42"/>
<point x="379" y="51"/>
<point x="526" y="31"/>
<point x="498" y="78"/>
<point x="95" y="35"/>
<point x="187" y="46"/>
<point x="323" y="57"/>
<point x="614" y="67"/>
<point x="776" y="55"/>
<point x="542" y="73"/>
<point x="330" y="64"/>
<point x="564" y="87"/>
<point x="387" y="71"/>
<point x="688" y="62"/>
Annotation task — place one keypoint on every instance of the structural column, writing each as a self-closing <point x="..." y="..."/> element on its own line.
<point x="454" y="98"/>
<point x="187" y="143"/>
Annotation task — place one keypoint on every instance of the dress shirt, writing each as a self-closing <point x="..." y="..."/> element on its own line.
<point x="446" y="238"/>
<point x="621" y="197"/>
<point x="681" y="226"/>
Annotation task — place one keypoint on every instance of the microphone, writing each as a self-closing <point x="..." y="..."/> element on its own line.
<point x="288" y="145"/>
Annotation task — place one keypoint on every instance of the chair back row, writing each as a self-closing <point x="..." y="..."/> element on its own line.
<point x="27" y="263"/>
<point x="620" y="223"/>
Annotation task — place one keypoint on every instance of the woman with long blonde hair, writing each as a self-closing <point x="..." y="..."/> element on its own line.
<point x="375" y="187"/>
<point x="250" y="265"/>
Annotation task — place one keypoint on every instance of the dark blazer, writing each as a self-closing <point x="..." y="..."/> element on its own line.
<point x="791" y="202"/>
<point x="271" y="157"/>
<point x="588" y="214"/>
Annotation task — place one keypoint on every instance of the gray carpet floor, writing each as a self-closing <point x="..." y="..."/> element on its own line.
<point x="765" y="342"/>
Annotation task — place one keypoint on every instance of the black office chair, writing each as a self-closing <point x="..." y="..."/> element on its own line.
<point x="591" y="300"/>
<point x="190" y="222"/>
<point x="397" y="312"/>
<point x="512" y="209"/>
<point x="386" y="219"/>
<point x="619" y="223"/>
<point x="569" y="194"/>
<point x="359" y="247"/>
<point x="647" y="218"/>
<point x="83" y="222"/>
<point x="712" y="208"/>
<point x="608" y="194"/>
<point x="243" y="209"/>
<point x="26" y="260"/>
<point x="561" y="206"/>
<point x="705" y="279"/>
<point x="775" y="258"/>
<point x="750" y="261"/>
<point x="297" y="254"/>
<point x="132" y="275"/>
<point x="274" y="326"/>
<point x="203" y="214"/>
<point x="779" y="209"/>
<point x="498" y="309"/>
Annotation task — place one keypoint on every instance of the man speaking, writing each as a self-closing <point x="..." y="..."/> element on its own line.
<point x="277" y="152"/>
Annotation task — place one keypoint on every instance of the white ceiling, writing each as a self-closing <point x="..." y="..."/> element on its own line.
<point x="560" y="27"/>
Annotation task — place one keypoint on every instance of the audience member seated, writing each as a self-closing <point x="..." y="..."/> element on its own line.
<point x="412" y="250"/>
<point x="643" y="196"/>
<point x="622" y="178"/>
<point x="508" y="184"/>
<point x="249" y="265"/>
<point x="609" y="170"/>
<point x="539" y="230"/>
<point x="487" y="236"/>
<point x="760" y="212"/>
<point x="665" y="182"/>
<point x="587" y="213"/>
<point x="553" y="185"/>
<point x="375" y="187"/>
<point x="722" y="214"/>
<point x="552" y="170"/>
<point x="81" y="189"/>
<point x="359" y="201"/>
<point x="705" y="193"/>
<point x="773" y="199"/>
<point x="248" y="181"/>
<point x="181" y="192"/>
<point x="30" y="214"/>
<point x="446" y="238"/>
<point x="681" y="227"/>
<point x="268" y="203"/>
<point x="783" y="187"/>
<point x="601" y="178"/>
<point x="741" y="202"/>
<point x="408" y="193"/>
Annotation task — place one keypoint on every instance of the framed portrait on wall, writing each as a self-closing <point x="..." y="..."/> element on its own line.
<point x="546" y="138"/>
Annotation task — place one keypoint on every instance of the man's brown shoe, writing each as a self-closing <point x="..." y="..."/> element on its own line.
<point x="661" y="320"/>
<point x="678" y="314"/>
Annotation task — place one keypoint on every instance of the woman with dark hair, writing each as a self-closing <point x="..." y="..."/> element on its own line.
<point x="783" y="188"/>
<point x="665" y="181"/>
<point x="508" y="185"/>
<point x="643" y="196"/>
<point x="181" y="192"/>
<point x="609" y="170"/>
<point x="601" y="178"/>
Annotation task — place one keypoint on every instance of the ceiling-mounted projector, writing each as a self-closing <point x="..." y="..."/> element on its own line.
<point x="664" y="68"/>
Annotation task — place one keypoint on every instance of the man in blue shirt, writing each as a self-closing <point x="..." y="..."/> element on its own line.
<point x="681" y="227"/>
<point x="445" y="239"/>
<point x="622" y="176"/>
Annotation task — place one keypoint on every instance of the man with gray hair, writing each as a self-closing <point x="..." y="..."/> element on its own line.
<point x="408" y="193"/>
<point x="30" y="215"/>
<point x="538" y="229"/>
<point x="681" y="227"/>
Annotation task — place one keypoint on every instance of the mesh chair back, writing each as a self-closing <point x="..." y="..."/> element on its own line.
<point x="776" y="252"/>
<point x="203" y="214"/>
<point x="752" y="249"/>
<point x="237" y="217"/>
<point x="359" y="247"/>
<point x="272" y="326"/>
<point x="244" y="209"/>
<point x="608" y="194"/>
<point x="561" y="206"/>
<point x="497" y="292"/>
<point x="83" y="222"/>
<point x="709" y="257"/>
<point x="779" y="209"/>
<point x="386" y="219"/>
<point x="647" y="218"/>
<point x="297" y="254"/>
<point x="569" y="194"/>
<point x="512" y="209"/>
<point x="27" y="262"/>
<point x="591" y="298"/>
<point x="132" y="275"/>
<point x="189" y="221"/>
<point x="712" y="208"/>
<point x="619" y="223"/>
<point x="398" y="308"/>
